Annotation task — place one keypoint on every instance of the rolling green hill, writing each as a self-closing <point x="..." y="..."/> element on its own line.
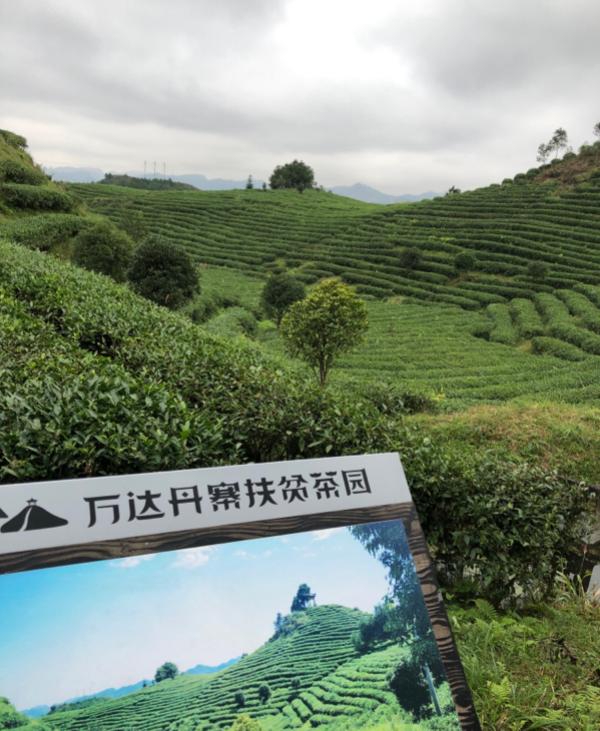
<point x="493" y="332"/>
<point x="332" y="684"/>
<point x="302" y="655"/>
<point x="533" y="218"/>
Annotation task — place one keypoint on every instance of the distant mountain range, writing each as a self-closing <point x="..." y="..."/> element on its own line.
<point x="358" y="191"/>
<point x="366" y="193"/>
<point x="39" y="711"/>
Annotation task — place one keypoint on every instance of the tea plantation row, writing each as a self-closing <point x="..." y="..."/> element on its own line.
<point x="505" y="227"/>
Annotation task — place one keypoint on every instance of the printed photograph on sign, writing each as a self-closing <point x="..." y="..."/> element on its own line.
<point x="322" y="629"/>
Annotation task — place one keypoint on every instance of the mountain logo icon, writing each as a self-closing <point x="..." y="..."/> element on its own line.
<point x="3" y="514"/>
<point x="32" y="517"/>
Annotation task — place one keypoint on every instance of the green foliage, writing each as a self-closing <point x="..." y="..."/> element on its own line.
<point x="183" y="398"/>
<point x="410" y="258"/>
<point x="464" y="261"/>
<point x="240" y="699"/>
<point x="245" y="723"/>
<point x="13" y="171"/>
<point x="10" y="718"/>
<point x="280" y="291"/>
<point x="132" y="222"/>
<point x="533" y="669"/>
<point x="12" y="139"/>
<point x="163" y="273"/>
<point x="233" y="321"/>
<point x="103" y="248"/>
<point x="295" y="174"/>
<point x="331" y="320"/>
<point x="43" y="231"/>
<point x="527" y="519"/>
<point x="35" y="197"/>
<point x="392" y="399"/>
<point x="167" y="671"/>
<point x="537" y="270"/>
<point x="264" y="692"/>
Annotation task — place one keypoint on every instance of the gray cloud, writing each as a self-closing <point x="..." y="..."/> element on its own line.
<point x="399" y="96"/>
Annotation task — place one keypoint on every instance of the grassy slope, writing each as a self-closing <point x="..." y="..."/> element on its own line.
<point x="318" y="648"/>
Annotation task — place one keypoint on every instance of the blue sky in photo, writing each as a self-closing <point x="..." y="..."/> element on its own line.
<point x="79" y="629"/>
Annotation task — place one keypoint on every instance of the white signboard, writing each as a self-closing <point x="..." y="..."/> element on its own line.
<point x="38" y="515"/>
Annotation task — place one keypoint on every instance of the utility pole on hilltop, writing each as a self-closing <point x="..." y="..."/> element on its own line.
<point x="145" y="165"/>
<point x="154" y="163"/>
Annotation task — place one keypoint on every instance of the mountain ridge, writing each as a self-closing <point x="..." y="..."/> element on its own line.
<point x="357" y="191"/>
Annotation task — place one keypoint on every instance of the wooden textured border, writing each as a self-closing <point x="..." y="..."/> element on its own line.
<point x="406" y="512"/>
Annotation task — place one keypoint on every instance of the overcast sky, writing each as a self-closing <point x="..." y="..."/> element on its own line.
<point x="404" y="96"/>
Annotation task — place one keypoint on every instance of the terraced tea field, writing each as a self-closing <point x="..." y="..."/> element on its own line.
<point x="505" y="351"/>
<point x="504" y="226"/>
<point x="321" y="646"/>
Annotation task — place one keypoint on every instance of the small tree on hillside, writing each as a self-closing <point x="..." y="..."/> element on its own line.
<point x="264" y="693"/>
<point x="597" y="129"/>
<point x="280" y="291"/>
<point x="249" y="183"/>
<point x="278" y="624"/>
<point x="295" y="174"/>
<point x="167" y="671"/>
<point x="303" y="599"/>
<point x="330" y="321"/>
<point x="537" y="270"/>
<point x="103" y="248"/>
<point x="559" y="141"/>
<point x="164" y="273"/>
<point x="240" y="699"/>
<point x="410" y="258"/>
<point x="464" y="261"/>
<point x="453" y="190"/>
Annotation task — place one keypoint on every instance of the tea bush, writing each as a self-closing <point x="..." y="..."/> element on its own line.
<point x="35" y="197"/>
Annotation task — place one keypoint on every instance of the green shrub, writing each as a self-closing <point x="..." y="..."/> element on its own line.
<point x="164" y="273"/>
<point x="464" y="261"/>
<point x="410" y="258"/>
<point x="390" y="399"/>
<point x="496" y="528"/>
<point x="103" y="248"/>
<point x="234" y="321"/>
<point x="42" y="230"/>
<point x="13" y="171"/>
<point x="280" y="291"/>
<point x="35" y="197"/>
<point x="537" y="270"/>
